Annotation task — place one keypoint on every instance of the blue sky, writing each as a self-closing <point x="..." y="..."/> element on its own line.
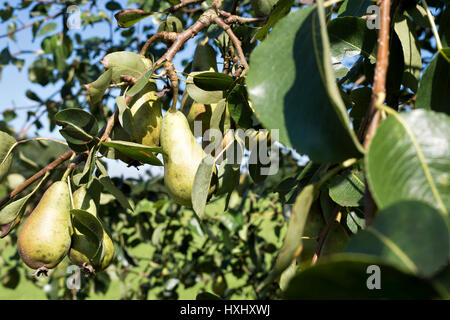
<point x="14" y="84"/>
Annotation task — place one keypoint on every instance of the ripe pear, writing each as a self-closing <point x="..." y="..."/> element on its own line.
<point x="183" y="156"/>
<point x="45" y="238"/>
<point x="83" y="250"/>
<point x="147" y="116"/>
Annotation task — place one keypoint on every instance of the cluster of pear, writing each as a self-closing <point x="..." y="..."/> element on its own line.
<point x="48" y="235"/>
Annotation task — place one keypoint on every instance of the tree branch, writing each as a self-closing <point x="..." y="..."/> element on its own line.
<point x="30" y="24"/>
<point x="182" y="4"/>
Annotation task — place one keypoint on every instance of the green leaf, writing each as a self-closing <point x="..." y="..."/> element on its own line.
<point x="199" y="95"/>
<point x="136" y="151"/>
<point x="127" y="18"/>
<point x="408" y="159"/>
<point x="239" y="108"/>
<point x="89" y="167"/>
<point x="217" y="114"/>
<point x="292" y="245"/>
<point x="88" y="225"/>
<point x="350" y="36"/>
<point x="280" y="10"/>
<point x="96" y="89"/>
<point x="228" y="178"/>
<point x="347" y="189"/>
<point x="434" y="87"/>
<point x="410" y="235"/>
<point x="6" y="156"/>
<point x="281" y="95"/>
<point x="346" y="277"/>
<point x="213" y="81"/>
<point x="125" y="63"/>
<point x="207" y="296"/>
<point x="142" y="80"/>
<point x="12" y="26"/>
<point x="32" y="96"/>
<point x="355" y="8"/>
<point x="125" y="116"/>
<point x="46" y="29"/>
<point x="79" y="126"/>
<point x="444" y="27"/>
<point x="202" y="183"/>
<point x="405" y="30"/>
<point x="106" y="181"/>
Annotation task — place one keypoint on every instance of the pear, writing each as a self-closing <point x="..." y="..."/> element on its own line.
<point x="45" y="238"/>
<point x="183" y="156"/>
<point x="147" y="116"/>
<point x="83" y="250"/>
<point x="204" y="58"/>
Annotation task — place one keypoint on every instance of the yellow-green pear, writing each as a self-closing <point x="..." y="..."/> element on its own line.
<point x="45" y="238"/>
<point x="183" y="156"/>
<point x="83" y="250"/>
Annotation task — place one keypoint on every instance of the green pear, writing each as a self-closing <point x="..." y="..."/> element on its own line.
<point x="147" y="116"/>
<point x="183" y="156"/>
<point x="82" y="249"/>
<point x="204" y="58"/>
<point x="45" y="238"/>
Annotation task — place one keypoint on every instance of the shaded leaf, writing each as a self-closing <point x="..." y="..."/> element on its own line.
<point x="127" y="18"/>
<point x="136" y="151"/>
<point x="202" y="183"/>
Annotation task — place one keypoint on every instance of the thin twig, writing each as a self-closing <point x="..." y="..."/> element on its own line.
<point x="30" y="24"/>
<point x="182" y="4"/>
<point x="236" y="41"/>
<point x="323" y="235"/>
<point x="373" y="115"/>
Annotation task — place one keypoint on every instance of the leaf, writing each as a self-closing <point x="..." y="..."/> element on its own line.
<point x="6" y="156"/>
<point x="202" y="184"/>
<point x="350" y="36"/>
<point x="405" y="30"/>
<point x="292" y="245"/>
<point x="125" y="116"/>
<point x="444" y="27"/>
<point x="136" y="151"/>
<point x="355" y="8"/>
<point x="239" y="108"/>
<point x="96" y="89"/>
<point x="347" y="189"/>
<point x="199" y="95"/>
<point x="127" y="18"/>
<point x="410" y="235"/>
<point x="408" y="159"/>
<point x="79" y="126"/>
<point x="207" y="296"/>
<point x="217" y="114"/>
<point x="281" y="9"/>
<point x="125" y="63"/>
<point x="346" y="277"/>
<point x="281" y="95"/>
<point x="88" y="225"/>
<point x="89" y="167"/>
<point x="434" y="87"/>
<point x="14" y="210"/>
<point x="213" y="81"/>
<point x="111" y="188"/>
<point x="46" y="29"/>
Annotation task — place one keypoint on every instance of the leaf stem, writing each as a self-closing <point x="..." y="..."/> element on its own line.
<point x="433" y="26"/>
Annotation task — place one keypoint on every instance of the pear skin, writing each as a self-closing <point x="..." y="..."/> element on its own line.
<point x="184" y="155"/>
<point x="45" y="237"/>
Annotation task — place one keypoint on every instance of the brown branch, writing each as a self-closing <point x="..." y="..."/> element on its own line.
<point x="182" y="4"/>
<point x="232" y="19"/>
<point x="104" y="134"/>
<point x="373" y="115"/>
<point x="323" y="235"/>
<point x="236" y="41"/>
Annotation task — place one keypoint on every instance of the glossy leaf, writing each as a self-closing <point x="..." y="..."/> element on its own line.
<point x="199" y="95"/>
<point x="88" y="225"/>
<point x="411" y="235"/>
<point x="79" y="126"/>
<point x="142" y="80"/>
<point x="411" y="51"/>
<point x="281" y="94"/>
<point x="408" y="159"/>
<point x="434" y="87"/>
<point x="213" y="81"/>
